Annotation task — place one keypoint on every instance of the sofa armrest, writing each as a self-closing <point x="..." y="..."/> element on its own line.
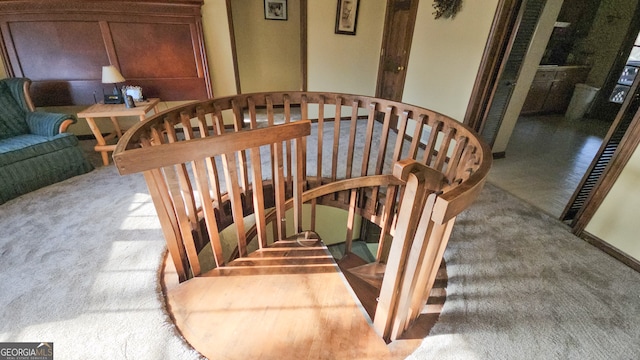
<point x="49" y="124"/>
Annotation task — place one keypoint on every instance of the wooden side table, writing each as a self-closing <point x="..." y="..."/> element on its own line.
<point x="113" y="111"/>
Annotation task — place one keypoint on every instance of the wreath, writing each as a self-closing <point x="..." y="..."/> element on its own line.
<point x="446" y="8"/>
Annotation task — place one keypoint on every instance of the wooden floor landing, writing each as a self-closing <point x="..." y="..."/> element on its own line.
<point x="288" y="301"/>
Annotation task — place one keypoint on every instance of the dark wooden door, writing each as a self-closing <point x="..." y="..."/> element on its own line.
<point x="399" y="22"/>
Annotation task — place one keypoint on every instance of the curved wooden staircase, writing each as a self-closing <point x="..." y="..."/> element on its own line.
<point x="278" y="293"/>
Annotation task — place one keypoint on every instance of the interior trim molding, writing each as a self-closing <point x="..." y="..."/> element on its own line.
<point x="496" y="51"/>
<point x="611" y="250"/>
<point x="234" y="51"/>
<point x="623" y="153"/>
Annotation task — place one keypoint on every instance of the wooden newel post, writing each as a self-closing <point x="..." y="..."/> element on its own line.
<point x="406" y="255"/>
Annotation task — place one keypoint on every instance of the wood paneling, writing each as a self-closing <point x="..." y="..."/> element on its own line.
<point x="143" y="49"/>
<point x="62" y="45"/>
<point x="59" y="50"/>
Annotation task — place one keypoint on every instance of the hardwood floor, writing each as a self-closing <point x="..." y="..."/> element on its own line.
<point x="287" y="301"/>
<point x="546" y="158"/>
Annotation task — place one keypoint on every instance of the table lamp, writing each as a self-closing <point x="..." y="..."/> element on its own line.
<point x="111" y="75"/>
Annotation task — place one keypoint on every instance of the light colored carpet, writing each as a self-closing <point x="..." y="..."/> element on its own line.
<point x="79" y="262"/>
<point x="78" y="267"/>
<point x="521" y="286"/>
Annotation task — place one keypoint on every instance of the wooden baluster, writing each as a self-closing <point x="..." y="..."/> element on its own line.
<point x="386" y="222"/>
<point x="179" y="205"/>
<point x="413" y="148"/>
<point x="238" y="120"/>
<point x="233" y="187"/>
<point x="304" y="116"/>
<point x="212" y="168"/>
<point x="320" y="136"/>
<point x="402" y="130"/>
<point x="384" y="137"/>
<point x="468" y="161"/>
<point x="417" y="135"/>
<point x="427" y="157"/>
<point x="185" y="183"/>
<point x="387" y="213"/>
<point x="270" y="122"/>
<point x="348" y="241"/>
<point x="279" y="185"/>
<point x="289" y="143"/>
<point x="352" y="138"/>
<point x="200" y="169"/>
<point x="253" y="118"/>
<point x="449" y="134"/>
<point x="336" y="139"/>
<point x="258" y="196"/>
<point x="298" y="183"/>
<point x="170" y="229"/>
<point x="320" y="141"/>
<point x="367" y="150"/>
<point x="454" y="161"/>
<point x="368" y="138"/>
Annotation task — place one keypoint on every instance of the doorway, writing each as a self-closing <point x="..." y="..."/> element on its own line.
<point x="548" y="154"/>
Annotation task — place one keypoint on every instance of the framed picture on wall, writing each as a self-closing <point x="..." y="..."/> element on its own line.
<point x="275" y="9"/>
<point x="347" y="17"/>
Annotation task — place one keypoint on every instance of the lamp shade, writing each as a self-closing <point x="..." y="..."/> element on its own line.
<point x="111" y="75"/>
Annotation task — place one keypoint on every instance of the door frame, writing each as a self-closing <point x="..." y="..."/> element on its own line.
<point x="495" y="54"/>
<point x="407" y="45"/>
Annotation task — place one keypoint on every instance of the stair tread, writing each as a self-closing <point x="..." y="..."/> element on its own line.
<point x="372" y="273"/>
<point x="351" y="260"/>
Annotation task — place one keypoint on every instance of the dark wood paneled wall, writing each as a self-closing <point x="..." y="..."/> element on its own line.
<point x="62" y="45"/>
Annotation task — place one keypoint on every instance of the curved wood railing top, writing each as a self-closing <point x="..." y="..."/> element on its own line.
<point x="407" y="169"/>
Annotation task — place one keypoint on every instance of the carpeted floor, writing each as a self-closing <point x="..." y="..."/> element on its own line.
<point x="79" y="262"/>
<point x="521" y="286"/>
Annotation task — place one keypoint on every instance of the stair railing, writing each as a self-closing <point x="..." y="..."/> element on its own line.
<point x="211" y="164"/>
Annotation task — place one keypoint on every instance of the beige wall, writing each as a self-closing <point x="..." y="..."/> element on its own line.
<point x="616" y="221"/>
<point x="218" y="44"/>
<point x="529" y="67"/>
<point x="268" y="50"/>
<point x="445" y="56"/>
<point x="344" y="63"/>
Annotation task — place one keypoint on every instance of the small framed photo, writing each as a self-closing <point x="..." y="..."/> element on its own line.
<point x="134" y="91"/>
<point x="275" y="9"/>
<point x="347" y="17"/>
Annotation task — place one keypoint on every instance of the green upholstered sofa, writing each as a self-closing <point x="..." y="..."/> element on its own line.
<point x="35" y="150"/>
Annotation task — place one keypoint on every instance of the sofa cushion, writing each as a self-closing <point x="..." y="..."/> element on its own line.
<point x="22" y="147"/>
<point x="12" y="116"/>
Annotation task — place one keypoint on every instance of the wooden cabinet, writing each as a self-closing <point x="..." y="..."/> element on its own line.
<point x="61" y="45"/>
<point x="552" y="88"/>
<point x="538" y="91"/>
